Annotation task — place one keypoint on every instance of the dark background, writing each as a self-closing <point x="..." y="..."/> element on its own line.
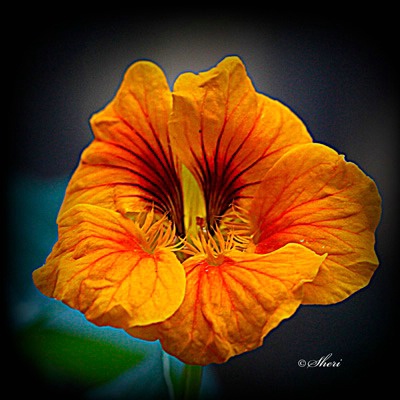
<point x="338" y="74"/>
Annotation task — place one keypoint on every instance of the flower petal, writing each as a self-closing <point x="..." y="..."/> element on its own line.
<point x="314" y="197"/>
<point x="230" y="307"/>
<point x="100" y="267"/>
<point x="130" y="163"/>
<point x="227" y="134"/>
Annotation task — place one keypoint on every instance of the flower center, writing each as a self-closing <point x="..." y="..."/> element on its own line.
<point x="229" y="231"/>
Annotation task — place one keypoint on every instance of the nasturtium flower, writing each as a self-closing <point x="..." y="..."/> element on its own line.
<point x="205" y="216"/>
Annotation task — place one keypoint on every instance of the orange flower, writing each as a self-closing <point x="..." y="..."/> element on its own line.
<point x="206" y="216"/>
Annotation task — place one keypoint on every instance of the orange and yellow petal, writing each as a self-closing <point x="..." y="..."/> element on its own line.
<point x="312" y="196"/>
<point x="231" y="305"/>
<point x="227" y="134"/>
<point x="102" y="266"/>
<point x="130" y="163"/>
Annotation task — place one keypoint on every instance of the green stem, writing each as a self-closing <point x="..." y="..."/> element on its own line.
<point x="182" y="383"/>
<point x="191" y="382"/>
<point x="168" y="375"/>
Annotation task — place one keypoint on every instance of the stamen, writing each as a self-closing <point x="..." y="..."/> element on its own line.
<point x="237" y="220"/>
<point x="213" y="246"/>
<point x="158" y="230"/>
<point x="201" y="223"/>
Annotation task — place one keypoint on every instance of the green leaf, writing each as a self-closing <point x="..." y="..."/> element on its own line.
<point x="86" y="360"/>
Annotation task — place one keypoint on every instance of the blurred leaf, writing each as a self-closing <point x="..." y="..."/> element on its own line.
<point x="88" y="361"/>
